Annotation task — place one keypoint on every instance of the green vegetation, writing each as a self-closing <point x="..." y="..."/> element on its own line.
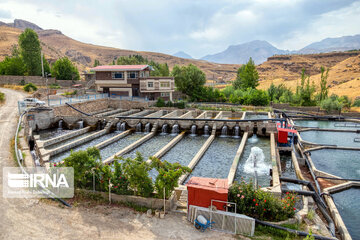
<point x="70" y="93"/>
<point x="30" y="87"/>
<point x="260" y="204"/>
<point x="54" y="86"/>
<point x="160" y="102"/>
<point x="2" y="97"/>
<point x="64" y="69"/>
<point x="96" y="63"/>
<point x="356" y="103"/>
<point x="30" y="50"/>
<point x="247" y="76"/>
<point x="276" y="234"/>
<point x="160" y="70"/>
<point x="126" y="176"/>
<point x="188" y="79"/>
<point x="324" y="89"/>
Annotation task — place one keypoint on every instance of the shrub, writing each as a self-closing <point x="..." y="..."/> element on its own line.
<point x="30" y="87"/>
<point x="331" y="104"/>
<point x="160" y="102"/>
<point x="169" y="104"/>
<point x="2" y="97"/>
<point x="356" y="103"/>
<point x="180" y="104"/>
<point x="54" y="86"/>
<point x="261" y="204"/>
<point x="169" y="174"/>
<point x="137" y="172"/>
<point x="70" y="93"/>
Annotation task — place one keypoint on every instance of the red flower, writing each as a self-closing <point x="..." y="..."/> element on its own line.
<point x="294" y="209"/>
<point x="265" y="200"/>
<point x="54" y="164"/>
<point x="254" y="200"/>
<point x="116" y="187"/>
<point x="256" y="204"/>
<point x="287" y="192"/>
<point x="264" y="209"/>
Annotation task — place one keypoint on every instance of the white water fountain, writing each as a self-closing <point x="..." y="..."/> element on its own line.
<point x="164" y="129"/>
<point x="255" y="164"/>
<point x="236" y="131"/>
<point x="175" y="129"/>
<point x="224" y="131"/>
<point x="80" y="124"/>
<point x="60" y="124"/>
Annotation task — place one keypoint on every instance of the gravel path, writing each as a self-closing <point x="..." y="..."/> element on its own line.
<point x="34" y="219"/>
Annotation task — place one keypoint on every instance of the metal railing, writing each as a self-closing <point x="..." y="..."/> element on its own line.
<point x="76" y="99"/>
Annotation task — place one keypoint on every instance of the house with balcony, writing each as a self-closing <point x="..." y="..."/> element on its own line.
<point x="132" y="81"/>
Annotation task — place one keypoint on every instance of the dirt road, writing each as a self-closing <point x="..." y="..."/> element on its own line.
<point x="33" y="219"/>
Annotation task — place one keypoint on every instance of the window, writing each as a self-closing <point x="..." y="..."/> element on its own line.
<point x="165" y="94"/>
<point x="132" y="74"/>
<point x="141" y="74"/>
<point x="150" y="85"/>
<point x="165" y="84"/>
<point x="117" y="75"/>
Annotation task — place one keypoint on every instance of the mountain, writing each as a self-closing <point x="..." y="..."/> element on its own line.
<point x="333" y="44"/>
<point x="56" y="45"/>
<point x="22" y="24"/>
<point x="182" y="54"/>
<point x="258" y="50"/>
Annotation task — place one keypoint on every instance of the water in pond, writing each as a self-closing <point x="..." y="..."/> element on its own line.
<point x="217" y="160"/>
<point x="288" y="171"/>
<point x="348" y="204"/>
<point x="256" y="116"/>
<point x="150" y="147"/>
<point x="115" y="147"/>
<point x="184" y="151"/>
<point x="328" y="124"/>
<point x="342" y="163"/>
<point x="53" y="146"/>
<point x="59" y="157"/>
<point x="51" y="133"/>
<point x="345" y="139"/>
<point x="264" y="175"/>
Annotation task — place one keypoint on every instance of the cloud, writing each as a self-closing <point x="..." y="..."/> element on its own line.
<point x="198" y="27"/>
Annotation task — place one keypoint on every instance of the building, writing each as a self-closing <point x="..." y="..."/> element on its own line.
<point x="132" y="81"/>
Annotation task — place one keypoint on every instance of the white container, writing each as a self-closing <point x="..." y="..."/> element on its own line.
<point x="201" y="219"/>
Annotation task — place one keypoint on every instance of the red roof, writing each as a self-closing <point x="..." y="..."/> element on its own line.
<point x="120" y="67"/>
<point x="213" y="184"/>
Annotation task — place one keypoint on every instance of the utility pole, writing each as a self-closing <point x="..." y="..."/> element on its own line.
<point x="42" y="64"/>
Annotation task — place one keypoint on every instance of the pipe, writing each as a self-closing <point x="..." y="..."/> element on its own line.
<point x="319" y="203"/>
<point x="86" y="114"/>
<point x="299" y="233"/>
<point x="344" y="179"/>
<point x="202" y="119"/>
<point x="44" y="191"/>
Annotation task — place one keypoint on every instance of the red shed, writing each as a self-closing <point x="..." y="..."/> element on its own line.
<point x="202" y="190"/>
<point x="284" y="132"/>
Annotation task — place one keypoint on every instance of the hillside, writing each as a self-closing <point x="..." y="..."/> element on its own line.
<point x="55" y="45"/>
<point x="344" y="73"/>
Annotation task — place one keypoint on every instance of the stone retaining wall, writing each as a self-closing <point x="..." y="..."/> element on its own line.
<point x="17" y="80"/>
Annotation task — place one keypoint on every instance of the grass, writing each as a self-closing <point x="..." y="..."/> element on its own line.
<point x="264" y="232"/>
<point x="2" y="97"/>
<point x="311" y="214"/>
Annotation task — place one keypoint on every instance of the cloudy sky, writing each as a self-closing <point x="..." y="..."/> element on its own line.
<point x="198" y="27"/>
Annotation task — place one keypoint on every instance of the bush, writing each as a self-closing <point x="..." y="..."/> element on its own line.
<point x="356" y="103"/>
<point x="2" y="97"/>
<point x="69" y="93"/>
<point x="160" y="102"/>
<point x="331" y="104"/>
<point x="30" y="87"/>
<point x="137" y="172"/>
<point x="169" y="104"/>
<point x="168" y="177"/>
<point x="180" y="104"/>
<point x="260" y="204"/>
<point x="54" y="86"/>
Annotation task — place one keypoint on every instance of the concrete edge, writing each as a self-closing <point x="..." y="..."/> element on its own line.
<point x="233" y="168"/>
<point x="113" y="139"/>
<point x="65" y="136"/>
<point x="170" y="145"/>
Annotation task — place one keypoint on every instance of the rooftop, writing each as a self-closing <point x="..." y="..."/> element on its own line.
<point x="121" y="68"/>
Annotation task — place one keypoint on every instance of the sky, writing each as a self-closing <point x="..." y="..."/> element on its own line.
<point x="197" y="27"/>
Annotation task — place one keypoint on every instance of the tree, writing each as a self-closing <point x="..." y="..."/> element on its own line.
<point x="30" y="51"/>
<point x="12" y="66"/>
<point x="323" y="83"/>
<point x="188" y="79"/>
<point x="305" y="91"/>
<point x="247" y="76"/>
<point x="64" y="69"/>
<point x="97" y="63"/>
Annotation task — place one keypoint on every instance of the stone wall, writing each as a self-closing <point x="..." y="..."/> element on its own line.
<point x="124" y="104"/>
<point x="16" y="80"/>
<point x="286" y="106"/>
<point x="87" y="107"/>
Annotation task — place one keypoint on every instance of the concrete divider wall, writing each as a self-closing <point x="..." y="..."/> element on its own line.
<point x="132" y="146"/>
<point x="113" y="139"/>
<point x="237" y="157"/>
<point x="64" y="137"/>
<point x="170" y="145"/>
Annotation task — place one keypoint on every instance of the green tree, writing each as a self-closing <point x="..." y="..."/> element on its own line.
<point x="64" y="69"/>
<point x="305" y="91"/>
<point x="323" y="83"/>
<point x="96" y="63"/>
<point x="12" y="66"/>
<point x="247" y="76"/>
<point x="188" y="79"/>
<point x="30" y="51"/>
